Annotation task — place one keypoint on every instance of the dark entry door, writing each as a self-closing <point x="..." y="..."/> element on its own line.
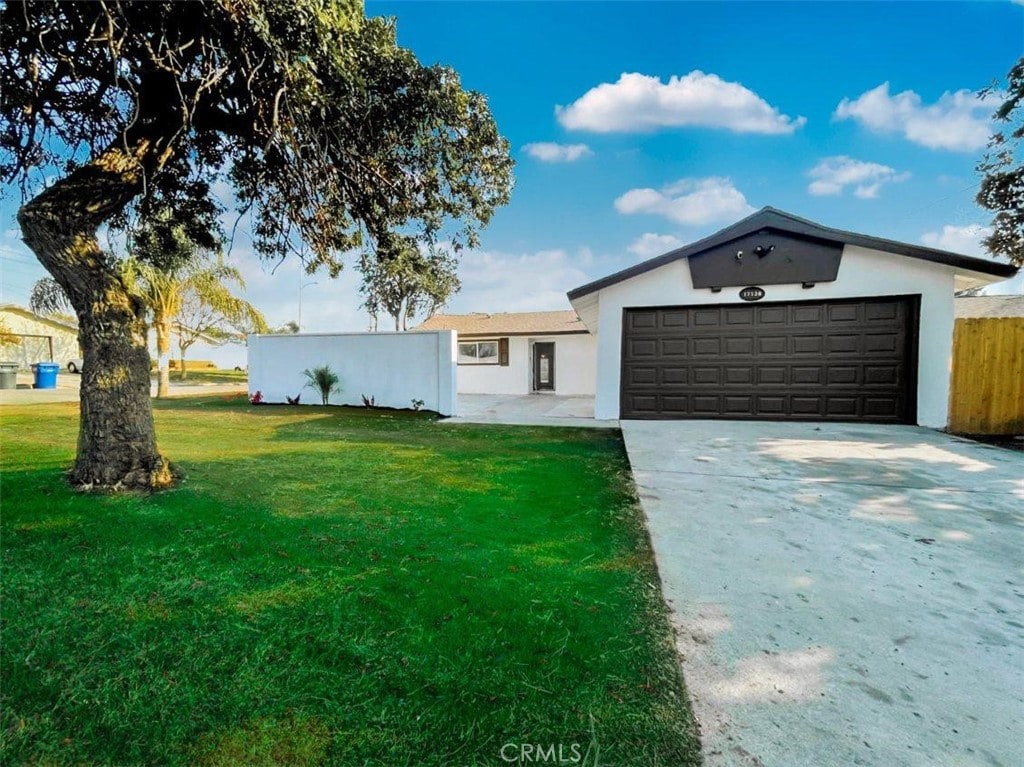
<point x="842" y="360"/>
<point x="544" y="367"/>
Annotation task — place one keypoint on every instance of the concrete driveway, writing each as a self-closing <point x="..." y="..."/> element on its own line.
<point x="844" y="594"/>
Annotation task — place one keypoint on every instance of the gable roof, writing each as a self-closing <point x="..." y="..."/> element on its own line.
<point x="772" y="218"/>
<point x="988" y="306"/>
<point x="506" y="323"/>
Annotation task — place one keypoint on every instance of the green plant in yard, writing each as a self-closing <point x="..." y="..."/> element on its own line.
<point x="324" y="380"/>
<point x="430" y="593"/>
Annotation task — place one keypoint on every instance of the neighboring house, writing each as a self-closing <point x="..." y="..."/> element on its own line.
<point x="988" y="306"/>
<point x="521" y="353"/>
<point x="42" y="339"/>
<point x="777" y="317"/>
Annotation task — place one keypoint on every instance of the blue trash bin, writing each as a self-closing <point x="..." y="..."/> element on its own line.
<point x="46" y="375"/>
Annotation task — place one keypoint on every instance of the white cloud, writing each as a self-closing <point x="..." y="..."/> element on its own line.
<point x="832" y="175"/>
<point x="648" y="245"/>
<point x="493" y="281"/>
<point x="640" y="102"/>
<point x="548" y="151"/>
<point x="958" y="121"/>
<point x="689" y="201"/>
<point x="959" y="239"/>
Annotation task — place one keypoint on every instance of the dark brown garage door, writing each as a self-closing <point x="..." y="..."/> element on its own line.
<point x="833" y="361"/>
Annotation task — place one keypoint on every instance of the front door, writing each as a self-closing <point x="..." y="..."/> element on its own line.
<point x="544" y="367"/>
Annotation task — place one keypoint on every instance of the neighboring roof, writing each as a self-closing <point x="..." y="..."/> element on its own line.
<point x="506" y="323"/>
<point x="28" y="313"/>
<point x="988" y="306"/>
<point x="778" y="219"/>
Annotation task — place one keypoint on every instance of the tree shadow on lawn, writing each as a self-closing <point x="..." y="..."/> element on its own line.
<point x="411" y="597"/>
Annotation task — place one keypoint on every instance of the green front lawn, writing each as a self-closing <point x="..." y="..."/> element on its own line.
<point x="332" y="586"/>
<point x="206" y="375"/>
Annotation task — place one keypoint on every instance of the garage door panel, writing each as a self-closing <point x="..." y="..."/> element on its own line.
<point x="675" y="319"/>
<point x="641" y="348"/>
<point x="840" y="360"/>
<point x="675" y="347"/>
<point x="706" y="375"/>
<point x="803" y="375"/>
<point x="707" y="317"/>
<point x="768" y="345"/>
<point x="707" y="347"/>
<point x="740" y="347"/>
<point x="771" y="375"/>
<point x="812" y="345"/>
<point x="844" y="344"/>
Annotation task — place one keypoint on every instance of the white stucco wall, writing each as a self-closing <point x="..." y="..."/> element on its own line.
<point x="31" y="350"/>
<point x="394" y="368"/>
<point x="575" y="367"/>
<point x="862" y="273"/>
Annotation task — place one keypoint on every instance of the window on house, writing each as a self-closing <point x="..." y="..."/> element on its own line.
<point x="478" y="352"/>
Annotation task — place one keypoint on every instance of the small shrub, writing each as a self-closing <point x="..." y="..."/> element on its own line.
<point x="256" y="398"/>
<point x="368" y="401"/>
<point x="417" y="404"/>
<point x="324" y="380"/>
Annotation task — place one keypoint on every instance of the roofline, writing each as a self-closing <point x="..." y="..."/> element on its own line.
<point x="38" y="317"/>
<point x="806" y="228"/>
<point x="498" y="333"/>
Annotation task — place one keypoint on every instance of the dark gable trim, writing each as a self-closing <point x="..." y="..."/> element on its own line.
<point x="771" y="218"/>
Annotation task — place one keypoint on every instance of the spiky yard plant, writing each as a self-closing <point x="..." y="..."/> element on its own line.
<point x="324" y="380"/>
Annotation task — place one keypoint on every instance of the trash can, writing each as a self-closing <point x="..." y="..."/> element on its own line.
<point x="8" y="375"/>
<point x="46" y="375"/>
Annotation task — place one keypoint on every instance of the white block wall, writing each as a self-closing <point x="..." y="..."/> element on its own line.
<point x="393" y="368"/>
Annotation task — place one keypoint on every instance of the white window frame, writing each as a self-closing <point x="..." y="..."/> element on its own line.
<point x="495" y="360"/>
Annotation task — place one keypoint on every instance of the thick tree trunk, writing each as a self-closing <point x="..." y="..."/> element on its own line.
<point x="116" y="439"/>
<point x="162" y="325"/>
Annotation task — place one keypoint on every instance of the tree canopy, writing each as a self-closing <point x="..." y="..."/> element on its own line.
<point x="322" y="128"/>
<point x="1002" y="169"/>
<point x="404" y="278"/>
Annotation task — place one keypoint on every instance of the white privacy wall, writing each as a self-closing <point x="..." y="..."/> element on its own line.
<point x="393" y="368"/>
<point x="575" y="367"/>
<point x="862" y="273"/>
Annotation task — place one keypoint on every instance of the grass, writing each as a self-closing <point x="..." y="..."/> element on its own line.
<point x="207" y="376"/>
<point x="332" y="587"/>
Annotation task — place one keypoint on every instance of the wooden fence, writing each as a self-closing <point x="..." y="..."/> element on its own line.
<point x="987" y="386"/>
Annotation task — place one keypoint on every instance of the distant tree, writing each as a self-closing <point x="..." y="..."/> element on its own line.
<point x="1002" y="169"/>
<point x="289" y="327"/>
<point x="323" y="127"/>
<point x="402" y="280"/>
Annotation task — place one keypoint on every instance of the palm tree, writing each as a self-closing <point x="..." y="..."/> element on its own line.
<point x="204" y="282"/>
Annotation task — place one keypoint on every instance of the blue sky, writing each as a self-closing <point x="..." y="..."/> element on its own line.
<point x="637" y="127"/>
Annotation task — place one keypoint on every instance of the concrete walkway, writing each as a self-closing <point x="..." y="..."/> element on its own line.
<point x="528" y="410"/>
<point x="844" y="594"/>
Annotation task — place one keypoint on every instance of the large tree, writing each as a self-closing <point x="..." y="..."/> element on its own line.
<point x="323" y="127"/>
<point x="1002" y="169"/>
<point x="403" y="277"/>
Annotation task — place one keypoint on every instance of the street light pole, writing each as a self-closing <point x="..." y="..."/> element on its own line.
<point x="301" y="288"/>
